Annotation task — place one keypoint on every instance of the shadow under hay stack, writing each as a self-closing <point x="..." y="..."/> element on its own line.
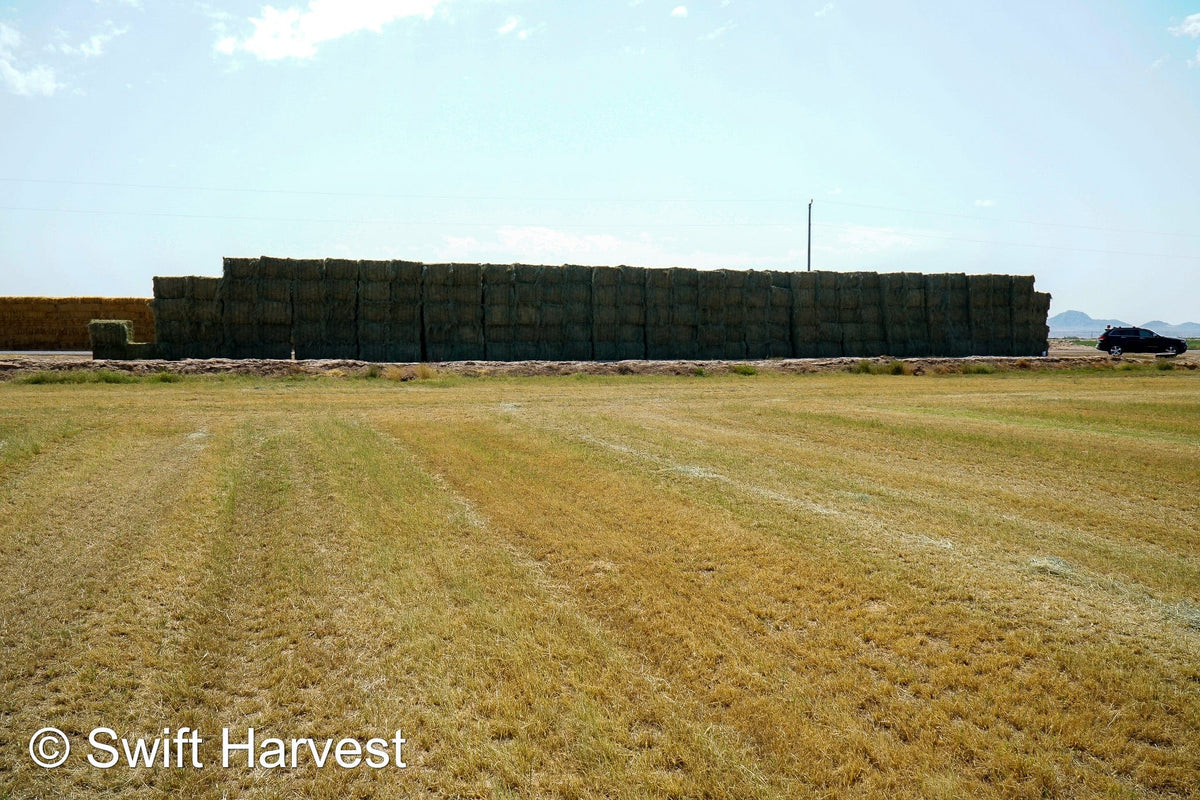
<point x="404" y="311"/>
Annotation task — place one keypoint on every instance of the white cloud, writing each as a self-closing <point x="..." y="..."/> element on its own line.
<point x="679" y="11"/>
<point x="719" y="32"/>
<point x="823" y="10"/>
<point x="35" y="80"/>
<point x="1190" y="27"/>
<point x="10" y="38"/>
<point x="94" y="45"/>
<point x="862" y="240"/>
<point x="985" y="203"/>
<point x="514" y="23"/>
<point x="543" y="245"/>
<point x="293" y="33"/>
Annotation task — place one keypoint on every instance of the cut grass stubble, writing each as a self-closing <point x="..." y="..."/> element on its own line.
<point x="845" y="585"/>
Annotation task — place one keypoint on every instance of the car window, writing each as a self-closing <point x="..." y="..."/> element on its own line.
<point x="1147" y="334"/>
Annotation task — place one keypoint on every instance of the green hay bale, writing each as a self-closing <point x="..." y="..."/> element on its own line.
<point x="308" y="269"/>
<point x="633" y="287"/>
<point x="205" y="289"/>
<point x="309" y="293"/>
<point x="273" y="313"/>
<point x="171" y="288"/>
<point x="829" y="340"/>
<point x="109" y="335"/>
<point x="374" y="291"/>
<point x="239" y="312"/>
<point x="552" y="315"/>
<point x="341" y="269"/>
<point x="270" y="268"/>
<point x="241" y="269"/>
<point x="239" y="290"/>
<point x="341" y="297"/>
<point x="376" y="272"/>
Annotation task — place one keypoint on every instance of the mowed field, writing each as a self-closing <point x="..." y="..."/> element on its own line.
<point x="742" y="586"/>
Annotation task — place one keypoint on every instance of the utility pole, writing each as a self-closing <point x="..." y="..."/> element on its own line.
<point x="810" y="202"/>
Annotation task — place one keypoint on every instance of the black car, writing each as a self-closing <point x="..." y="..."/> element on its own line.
<point x="1139" y="340"/>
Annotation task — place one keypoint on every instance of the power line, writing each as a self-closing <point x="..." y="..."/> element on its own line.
<point x="1012" y="221"/>
<point x="561" y="199"/>
<point x="386" y="195"/>
<point x="922" y="235"/>
<point x="573" y="226"/>
<point x="437" y="223"/>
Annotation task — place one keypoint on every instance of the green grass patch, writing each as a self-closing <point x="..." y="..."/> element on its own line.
<point x="76" y="376"/>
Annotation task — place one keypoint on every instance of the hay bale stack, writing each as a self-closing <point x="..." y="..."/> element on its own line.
<point x="828" y="313"/>
<point x="206" y="314"/>
<point x="989" y="304"/>
<point x="173" y="324"/>
<point x="631" y="313"/>
<point x="1029" y="310"/>
<point x="275" y="287"/>
<point x="1000" y="334"/>
<point x="685" y="313"/>
<point x="453" y="312"/>
<point x="187" y="317"/>
<point x="255" y="298"/>
<point x="527" y="298"/>
<point x="499" y="312"/>
<point x="806" y="321"/>
<point x="947" y="314"/>
<point x="1039" y="331"/>
<point x="61" y="323"/>
<point x="577" y="313"/>
<point x="734" y="282"/>
<point x="606" y="289"/>
<point x="110" y="338"/>
<point x="239" y="299"/>
<point x="860" y="312"/>
<point x="551" y="314"/>
<point x="710" y="303"/>
<point x="308" y="308"/>
<point x="756" y="298"/>
<point x="374" y="314"/>
<point x="404" y="325"/>
<point x="779" y="316"/>
<point x="874" y="339"/>
<point x="905" y="326"/>
<point x="339" y="309"/>
<point x="658" y="314"/>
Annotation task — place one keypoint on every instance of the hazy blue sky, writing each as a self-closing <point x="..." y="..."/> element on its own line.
<point x="1062" y="138"/>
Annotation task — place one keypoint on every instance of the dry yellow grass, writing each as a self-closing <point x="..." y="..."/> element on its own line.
<point x="739" y="586"/>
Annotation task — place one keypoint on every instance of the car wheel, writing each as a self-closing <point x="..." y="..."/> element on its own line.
<point x="1115" y="350"/>
<point x="1169" y="350"/>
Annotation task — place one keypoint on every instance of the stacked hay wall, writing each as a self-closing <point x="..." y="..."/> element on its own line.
<point x="606" y="290"/>
<point x="406" y="311"/>
<point x="499" y="312"/>
<point x="188" y="317"/>
<point x="61" y="323"/>
<point x="255" y="298"/>
<point x="452" y="307"/>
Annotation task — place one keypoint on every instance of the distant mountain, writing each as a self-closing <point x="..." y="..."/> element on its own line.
<point x="1188" y="330"/>
<point x="1076" y="324"/>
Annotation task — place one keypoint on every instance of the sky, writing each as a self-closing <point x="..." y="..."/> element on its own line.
<point x="154" y="137"/>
